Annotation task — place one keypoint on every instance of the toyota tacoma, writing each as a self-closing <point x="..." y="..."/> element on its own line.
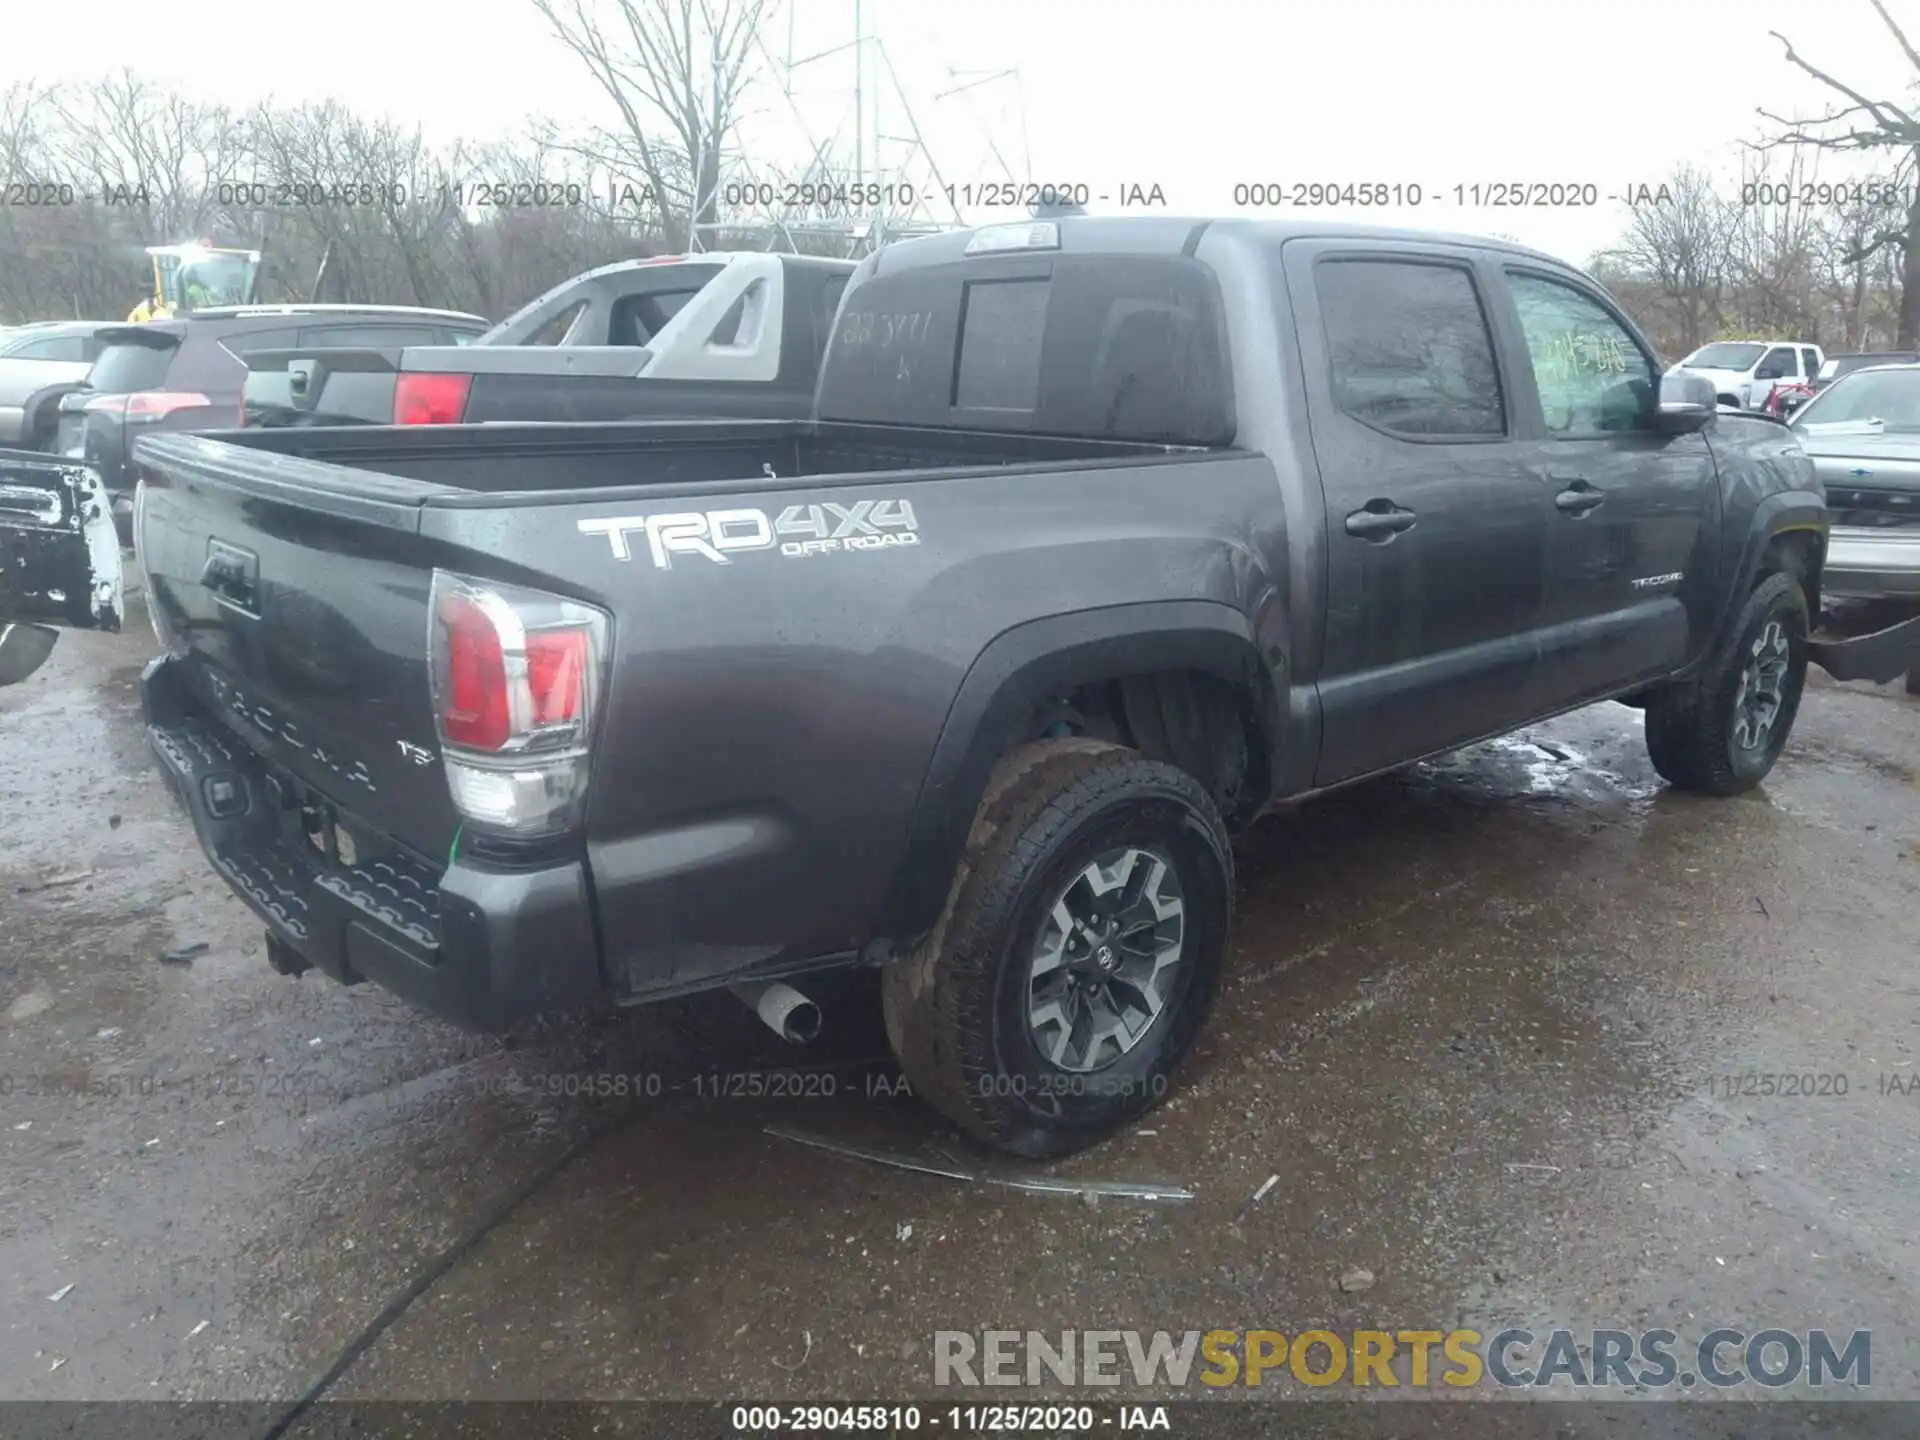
<point x="1105" y="535"/>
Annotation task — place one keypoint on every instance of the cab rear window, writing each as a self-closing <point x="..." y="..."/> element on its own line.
<point x="1110" y="347"/>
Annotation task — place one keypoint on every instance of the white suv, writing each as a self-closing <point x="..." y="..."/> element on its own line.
<point x="1745" y="372"/>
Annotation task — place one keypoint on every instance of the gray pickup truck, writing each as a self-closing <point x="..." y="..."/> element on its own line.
<point x="1106" y="536"/>
<point x="735" y="333"/>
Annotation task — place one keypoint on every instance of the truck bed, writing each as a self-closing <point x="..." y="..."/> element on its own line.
<point x="833" y="596"/>
<point x="521" y="463"/>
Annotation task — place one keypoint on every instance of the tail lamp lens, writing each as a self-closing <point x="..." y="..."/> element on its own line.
<point x="424" y="399"/>
<point x="474" y="710"/>
<point x="516" y="680"/>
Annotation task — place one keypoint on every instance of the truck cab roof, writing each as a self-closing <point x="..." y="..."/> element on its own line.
<point x="1159" y="235"/>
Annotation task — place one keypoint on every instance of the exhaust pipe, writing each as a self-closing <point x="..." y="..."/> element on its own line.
<point x="781" y="1008"/>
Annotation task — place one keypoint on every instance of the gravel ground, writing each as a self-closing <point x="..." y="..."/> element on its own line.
<point x="1479" y="1023"/>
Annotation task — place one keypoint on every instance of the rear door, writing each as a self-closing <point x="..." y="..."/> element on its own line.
<point x="1630" y="582"/>
<point x="1436" y="528"/>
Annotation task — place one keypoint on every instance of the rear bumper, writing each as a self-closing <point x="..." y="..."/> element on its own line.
<point x="1879" y="656"/>
<point x="1871" y="563"/>
<point x="486" y="948"/>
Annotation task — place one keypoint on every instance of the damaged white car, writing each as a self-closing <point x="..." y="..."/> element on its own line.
<point x="59" y="558"/>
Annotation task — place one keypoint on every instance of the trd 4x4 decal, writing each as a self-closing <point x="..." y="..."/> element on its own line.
<point x="798" y="532"/>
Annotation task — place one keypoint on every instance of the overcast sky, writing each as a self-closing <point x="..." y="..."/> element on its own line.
<point x="1193" y="96"/>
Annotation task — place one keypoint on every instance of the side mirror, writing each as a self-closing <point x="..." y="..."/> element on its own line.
<point x="1687" y="404"/>
<point x="23" y="650"/>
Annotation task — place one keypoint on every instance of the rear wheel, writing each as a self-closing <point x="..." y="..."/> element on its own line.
<point x="1079" y="954"/>
<point x="1722" y="731"/>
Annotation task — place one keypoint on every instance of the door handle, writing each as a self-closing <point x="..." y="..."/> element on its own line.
<point x="231" y="573"/>
<point x="1579" y="497"/>
<point x="1379" y="521"/>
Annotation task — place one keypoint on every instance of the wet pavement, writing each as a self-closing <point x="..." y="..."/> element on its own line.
<point x="1487" y="1023"/>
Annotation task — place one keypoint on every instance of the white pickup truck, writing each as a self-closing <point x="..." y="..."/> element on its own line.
<point x="1745" y="372"/>
<point x="59" y="558"/>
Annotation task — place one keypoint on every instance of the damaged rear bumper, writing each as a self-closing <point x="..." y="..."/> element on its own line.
<point x="59" y="554"/>
<point x="486" y="948"/>
<point x="1879" y="655"/>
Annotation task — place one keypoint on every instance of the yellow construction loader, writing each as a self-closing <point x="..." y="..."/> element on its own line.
<point x="193" y="276"/>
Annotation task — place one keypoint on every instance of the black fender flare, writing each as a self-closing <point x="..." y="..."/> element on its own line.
<point x="1025" y="666"/>
<point x="45" y="396"/>
<point x="1778" y="514"/>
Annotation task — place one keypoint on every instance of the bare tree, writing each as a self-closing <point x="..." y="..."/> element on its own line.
<point x="1772" y="248"/>
<point x="676" y="71"/>
<point x="160" y="153"/>
<point x="1862" y="124"/>
<point x="351" y="207"/>
<point x="1680" y="244"/>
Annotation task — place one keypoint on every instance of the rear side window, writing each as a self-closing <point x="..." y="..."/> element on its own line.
<point x="1809" y="362"/>
<point x="59" y="347"/>
<point x="1003" y="325"/>
<point x="1104" y="346"/>
<point x="124" y="369"/>
<point x="1409" y="348"/>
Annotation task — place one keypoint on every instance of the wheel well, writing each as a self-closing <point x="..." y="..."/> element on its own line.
<point x="1204" y="724"/>
<point x="1727" y="400"/>
<point x="1795" y="553"/>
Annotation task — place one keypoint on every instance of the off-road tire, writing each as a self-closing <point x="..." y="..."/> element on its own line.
<point x="1690" y="725"/>
<point x="955" y="1008"/>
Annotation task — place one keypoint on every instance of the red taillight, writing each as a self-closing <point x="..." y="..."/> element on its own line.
<point x="483" y="706"/>
<point x="557" y="663"/>
<point x="473" y="709"/>
<point x="423" y="399"/>
<point x="513" y="669"/>
<point x="149" y="404"/>
<point x="152" y="404"/>
<point x="516" y="676"/>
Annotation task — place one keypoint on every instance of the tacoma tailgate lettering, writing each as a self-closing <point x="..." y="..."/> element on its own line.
<point x="713" y="534"/>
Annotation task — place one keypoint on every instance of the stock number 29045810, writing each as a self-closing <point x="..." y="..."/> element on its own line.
<point x="814" y="1418"/>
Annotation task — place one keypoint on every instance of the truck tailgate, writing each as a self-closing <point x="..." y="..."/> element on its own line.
<point x="297" y="594"/>
<point x="59" y="558"/>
